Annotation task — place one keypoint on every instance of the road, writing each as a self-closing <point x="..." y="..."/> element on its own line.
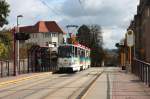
<point x="51" y="86"/>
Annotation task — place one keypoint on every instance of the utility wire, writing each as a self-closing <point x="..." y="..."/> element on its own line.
<point x="84" y="11"/>
<point x="56" y="13"/>
<point x="52" y="9"/>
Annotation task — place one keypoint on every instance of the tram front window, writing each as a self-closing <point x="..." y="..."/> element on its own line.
<point x="65" y="51"/>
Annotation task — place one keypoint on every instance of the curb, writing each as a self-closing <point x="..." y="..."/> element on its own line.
<point x="89" y="86"/>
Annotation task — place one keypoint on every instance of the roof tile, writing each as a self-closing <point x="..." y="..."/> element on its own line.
<point x="42" y="27"/>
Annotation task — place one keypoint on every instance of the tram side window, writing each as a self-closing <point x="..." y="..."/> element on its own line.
<point x="76" y="52"/>
<point x="82" y="53"/>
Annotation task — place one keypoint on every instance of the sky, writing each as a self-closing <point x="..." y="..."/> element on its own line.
<point x="113" y="16"/>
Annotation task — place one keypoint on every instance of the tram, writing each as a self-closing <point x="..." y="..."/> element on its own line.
<point x="73" y="57"/>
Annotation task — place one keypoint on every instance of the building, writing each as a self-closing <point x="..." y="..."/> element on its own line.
<point x="141" y="27"/>
<point x="44" y="33"/>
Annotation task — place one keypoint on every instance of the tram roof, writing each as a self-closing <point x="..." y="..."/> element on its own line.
<point x="76" y="45"/>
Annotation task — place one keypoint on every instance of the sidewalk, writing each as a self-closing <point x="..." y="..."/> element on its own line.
<point x="116" y="84"/>
<point x="127" y="86"/>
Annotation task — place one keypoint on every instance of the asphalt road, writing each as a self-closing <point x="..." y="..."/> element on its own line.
<point x="51" y="86"/>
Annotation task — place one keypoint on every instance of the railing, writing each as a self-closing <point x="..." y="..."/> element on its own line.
<point x="7" y="67"/>
<point x="142" y="70"/>
<point x="43" y="67"/>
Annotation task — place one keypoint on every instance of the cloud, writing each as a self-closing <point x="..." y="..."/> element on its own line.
<point x="107" y="13"/>
<point x="32" y="11"/>
<point x="112" y="36"/>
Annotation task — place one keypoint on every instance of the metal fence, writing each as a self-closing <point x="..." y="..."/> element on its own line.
<point x="142" y="70"/>
<point x="7" y="67"/>
<point x="43" y="67"/>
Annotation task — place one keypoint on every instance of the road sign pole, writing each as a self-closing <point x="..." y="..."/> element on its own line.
<point x="130" y="53"/>
<point x="130" y="44"/>
<point x="130" y="59"/>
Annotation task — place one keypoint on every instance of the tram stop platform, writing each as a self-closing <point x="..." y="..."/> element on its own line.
<point x="117" y="84"/>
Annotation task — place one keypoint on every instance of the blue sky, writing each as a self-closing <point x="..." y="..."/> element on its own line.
<point x="114" y="16"/>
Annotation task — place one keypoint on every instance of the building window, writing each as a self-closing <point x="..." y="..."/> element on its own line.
<point x="33" y="35"/>
<point x="47" y="35"/>
<point x="54" y="35"/>
<point x="43" y="35"/>
<point x="54" y="43"/>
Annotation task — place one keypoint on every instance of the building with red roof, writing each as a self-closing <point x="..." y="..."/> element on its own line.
<point x="44" y="33"/>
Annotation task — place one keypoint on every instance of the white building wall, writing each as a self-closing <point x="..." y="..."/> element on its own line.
<point x="42" y="38"/>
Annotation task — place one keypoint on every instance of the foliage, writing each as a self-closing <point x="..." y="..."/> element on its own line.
<point x="24" y="50"/>
<point x="3" y="50"/>
<point x="91" y="36"/>
<point x="4" y="10"/>
<point x="7" y="44"/>
<point x="84" y="39"/>
<point x="111" y="58"/>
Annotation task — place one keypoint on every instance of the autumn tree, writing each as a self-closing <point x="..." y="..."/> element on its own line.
<point x="6" y="40"/>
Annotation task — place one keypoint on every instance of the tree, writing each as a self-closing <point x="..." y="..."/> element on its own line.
<point x="91" y="36"/>
<point x="4" y="11"/>
<point x="3" y="50"/>
<point x="84" y="36"/>
<point x="24" y="50"/>
<point x="6" y="40"/>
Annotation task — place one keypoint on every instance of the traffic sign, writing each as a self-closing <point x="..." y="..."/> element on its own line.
<point x="130" y="38"/>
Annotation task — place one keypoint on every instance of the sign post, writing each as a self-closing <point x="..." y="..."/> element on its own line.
<point x="130" y="44"/>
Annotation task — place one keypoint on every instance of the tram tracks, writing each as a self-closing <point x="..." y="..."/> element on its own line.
<point x="29" y="85"/>
<point x="53" y="85"/>
<point x="59" y="87"/>
<point x="63" y="87"/>
<point x="85" y="91"/>
<point x="80" y="91"/>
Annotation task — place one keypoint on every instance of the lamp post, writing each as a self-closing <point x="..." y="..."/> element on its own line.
<point x="19" y="16"/>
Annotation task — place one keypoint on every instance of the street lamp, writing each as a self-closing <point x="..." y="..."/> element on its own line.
<point x="19" y="16"/>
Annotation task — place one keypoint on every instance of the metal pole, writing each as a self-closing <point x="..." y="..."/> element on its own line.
<point x="130" y="58"/>
<point x="19" y="16"/>
<point x="17" y="45"/>
<point x="14" y="54"/>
